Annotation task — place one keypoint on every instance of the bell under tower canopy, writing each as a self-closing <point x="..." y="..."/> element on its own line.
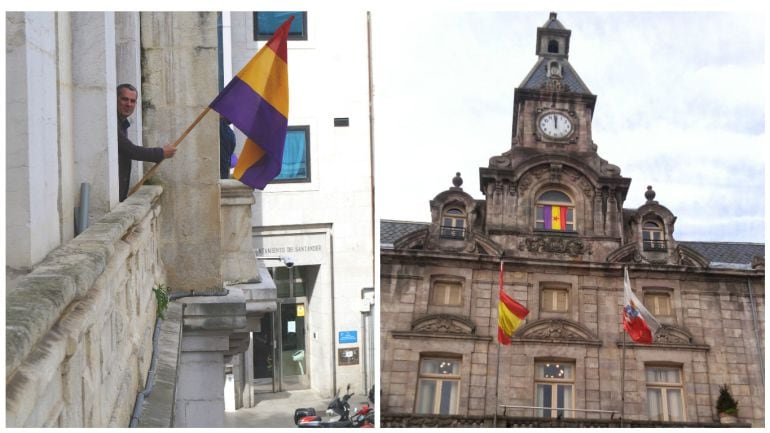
<point x="552" y="39"/>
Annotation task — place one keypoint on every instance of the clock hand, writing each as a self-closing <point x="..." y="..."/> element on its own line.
<point x="555" y="121"/>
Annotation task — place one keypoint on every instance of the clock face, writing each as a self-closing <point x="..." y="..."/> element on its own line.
<point x="555" y="125"/>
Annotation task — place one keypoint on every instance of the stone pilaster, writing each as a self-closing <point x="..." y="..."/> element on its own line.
<point x="209" y="325"/>
<point x="179" y="60"/>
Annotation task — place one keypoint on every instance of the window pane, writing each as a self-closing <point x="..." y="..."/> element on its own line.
<point x="564" y="399"/>
<point x="654" y="404"/>
<point x="426" y="395"/>
<point x="553" y="370"/>
<point x="448" y="403"/>
<point x="294" y="163"/>
<point x="674" y="400"/>
<point x="543" y="398"/>
<point x="554" y="196"/>
<point x="266" y="23"/>
<point x="440" y="366"/>
<point x="454" y="212"/>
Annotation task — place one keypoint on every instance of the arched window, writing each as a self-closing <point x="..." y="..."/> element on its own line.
<point x="553" y="46"/>
<point x="555" y="211"/>
<point x="652" y="236"/>
<point x="453" y="224"/>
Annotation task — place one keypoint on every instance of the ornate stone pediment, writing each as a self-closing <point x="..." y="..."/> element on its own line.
<point x="668" y="334"/>
<point x="443" y="324"/>
<point x="557" y="331"/>
<point x="558" y="245"/>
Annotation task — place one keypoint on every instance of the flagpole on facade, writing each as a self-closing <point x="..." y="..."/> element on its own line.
<point x="623" y="381"/>
<point x="497" y="382"/>
<point x="497" y="371"/>
<point x="176" y="143"/>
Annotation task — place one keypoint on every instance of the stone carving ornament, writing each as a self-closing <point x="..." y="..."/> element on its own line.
<point x="555" y="331"/>
<point x="544" y="244"/>
<point x="442" y="324"/>
<point x="670" y="335"/>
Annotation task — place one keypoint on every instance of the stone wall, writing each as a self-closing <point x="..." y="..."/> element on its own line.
<point x="712" y="338"/>
<point x="79" y="326"/>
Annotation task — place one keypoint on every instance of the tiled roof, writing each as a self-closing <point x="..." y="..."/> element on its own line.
<point x="727" y="252"/>
<point x="391" y="231"/>
<point x="719" y="254"/>
<point x="538" y="77"/>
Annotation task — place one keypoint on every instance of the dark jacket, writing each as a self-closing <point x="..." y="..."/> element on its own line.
<point x="128" y="151"/>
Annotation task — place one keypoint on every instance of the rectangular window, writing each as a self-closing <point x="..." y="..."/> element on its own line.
<point x="665" y="400"/>
<point x="290" y="282"/>
<point x="266" y="23"/>
<point x="295" y="166"/>
<point x="555" y="300"/>
<point x="554" y="389"/>
<point x="446" y="293"/>
<point x="438" y="388"/>
<point x="659" y="304"/>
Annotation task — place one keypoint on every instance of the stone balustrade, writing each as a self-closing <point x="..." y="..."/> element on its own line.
<point x="79" y="325"/>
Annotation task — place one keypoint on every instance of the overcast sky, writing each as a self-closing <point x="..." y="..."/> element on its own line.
<point x="680" y="106"/>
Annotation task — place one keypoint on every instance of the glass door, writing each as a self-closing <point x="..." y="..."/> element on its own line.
<point x="263" y="344"/>
<point x="293" y="356"/>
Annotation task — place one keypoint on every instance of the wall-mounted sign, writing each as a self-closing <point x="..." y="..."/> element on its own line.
<point x="300" y="310"/>
<point x="347" y="356"/>
<point x="348" y="337"/>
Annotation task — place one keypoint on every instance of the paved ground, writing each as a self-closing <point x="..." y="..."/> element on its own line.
<point x="277" y="410"/>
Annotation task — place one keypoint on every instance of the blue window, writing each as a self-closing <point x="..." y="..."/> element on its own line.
<point x="295" y="166"/>
<point x="265" y="24"/>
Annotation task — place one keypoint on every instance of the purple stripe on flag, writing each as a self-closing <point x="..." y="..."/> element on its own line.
<point x="547" y="217"/>
<point x="254" y="116"/>
<point x="262" y="172"/>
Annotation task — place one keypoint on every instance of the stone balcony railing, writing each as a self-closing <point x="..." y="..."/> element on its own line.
<point x="400" y="420"/>
<point x="79" y="325"/>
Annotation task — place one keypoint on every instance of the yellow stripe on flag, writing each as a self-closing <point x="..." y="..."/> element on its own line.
<point x="268" y="75"/>
<point x="555" y="218"/>
<point x="250" y="154"/>
<point x="507" y="321"/>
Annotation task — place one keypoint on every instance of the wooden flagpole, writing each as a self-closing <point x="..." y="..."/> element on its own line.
<point x="174" y="145"/>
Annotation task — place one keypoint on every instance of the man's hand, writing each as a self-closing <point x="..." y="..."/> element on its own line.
<point x="168" y="151"/>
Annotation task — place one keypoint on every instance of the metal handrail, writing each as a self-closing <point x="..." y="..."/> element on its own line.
<point x="449" y="232"/>
<point x="505" y="408"/>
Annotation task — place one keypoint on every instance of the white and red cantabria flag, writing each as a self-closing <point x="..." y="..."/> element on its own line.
<point x="637" y="320"/>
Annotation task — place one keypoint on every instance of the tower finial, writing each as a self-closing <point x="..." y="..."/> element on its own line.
<point x="552" y="16"/>
<point x="649" y="194"/>
<point x="457" y="181"/>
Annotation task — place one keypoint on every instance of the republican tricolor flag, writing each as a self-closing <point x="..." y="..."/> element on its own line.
<point x="510" y="314"/>
<point x="256" y="101"/>
<point x="637" y="321"/>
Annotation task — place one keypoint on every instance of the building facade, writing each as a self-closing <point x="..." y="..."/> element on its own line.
<point x="553" y="226"/>
<point x="319" y="211"/>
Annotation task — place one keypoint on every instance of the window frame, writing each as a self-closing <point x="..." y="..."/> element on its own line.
<point x="653" y="306"/>
<point x="308" y="176"/>
<point x="447" y="294"/>
<point x="553" y="309"/>
<point x="664" y="387"/>
<point x="257" y="36"/>
<point x="649" y="243"/>
<point x="453" y="230"/>
<point x="440" y="380"/>
<point x="554" y="385"/>
<point x="539" y="209"/>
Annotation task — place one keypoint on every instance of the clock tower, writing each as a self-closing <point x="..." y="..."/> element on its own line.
<point x="551" y="186"/>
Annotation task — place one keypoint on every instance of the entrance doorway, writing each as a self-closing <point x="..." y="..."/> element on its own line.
<point x="280" y="352"/>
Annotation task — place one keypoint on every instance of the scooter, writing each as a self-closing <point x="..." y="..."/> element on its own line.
<point x="307" y="418"/>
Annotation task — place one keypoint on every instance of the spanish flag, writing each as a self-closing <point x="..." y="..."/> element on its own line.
<point x="256" y="101"/>
<point x="510" y="314"/>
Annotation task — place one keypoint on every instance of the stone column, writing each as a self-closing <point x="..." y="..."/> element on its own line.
<point x="208" y="325"/>
<point x="128" y="53"/>
<point x="179" y="52"/>
<point x="94" y="108"/>
<point x="32" y="215"/>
